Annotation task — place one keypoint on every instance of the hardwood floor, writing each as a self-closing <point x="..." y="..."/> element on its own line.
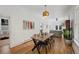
<point x="58" y="47"/>
<point x="4" y="46"/>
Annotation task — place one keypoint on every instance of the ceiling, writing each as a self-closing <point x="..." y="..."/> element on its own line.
<point x="36" y="10"/>
<point x="54" y="10"/>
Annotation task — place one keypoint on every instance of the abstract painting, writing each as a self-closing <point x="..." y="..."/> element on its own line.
<point x="28" y="25"/>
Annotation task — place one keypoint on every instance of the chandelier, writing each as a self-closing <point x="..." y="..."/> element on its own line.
<point x="45" y="12"/>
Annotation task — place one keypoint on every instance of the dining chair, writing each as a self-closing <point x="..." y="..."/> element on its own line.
<point x="51" y="40"/>
<point x="39" y="45"/>
<point x="47" y="41"/>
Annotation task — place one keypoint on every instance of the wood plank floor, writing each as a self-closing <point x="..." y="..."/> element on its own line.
<point x="58" y="47"/>
<point x="4" y="46"/>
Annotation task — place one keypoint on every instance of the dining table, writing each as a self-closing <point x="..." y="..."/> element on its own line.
<point x="42" y="37"/>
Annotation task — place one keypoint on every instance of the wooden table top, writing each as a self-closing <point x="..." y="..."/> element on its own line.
<point x="42" y="37"/>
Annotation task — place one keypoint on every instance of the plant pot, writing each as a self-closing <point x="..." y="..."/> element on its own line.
<point x="68" y="42"/>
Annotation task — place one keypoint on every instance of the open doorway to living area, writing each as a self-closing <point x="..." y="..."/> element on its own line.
<point x="4" y="34"/>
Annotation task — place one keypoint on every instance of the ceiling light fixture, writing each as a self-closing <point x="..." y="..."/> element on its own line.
<point x="45" y="12"/>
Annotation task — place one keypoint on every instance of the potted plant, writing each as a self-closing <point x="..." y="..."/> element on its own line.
<point x="67" y="36"/>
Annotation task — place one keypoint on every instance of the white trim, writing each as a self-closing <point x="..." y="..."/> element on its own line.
<point x="77" y="42"/>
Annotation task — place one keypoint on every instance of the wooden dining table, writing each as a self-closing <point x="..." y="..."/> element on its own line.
<point x="42" y="37"/>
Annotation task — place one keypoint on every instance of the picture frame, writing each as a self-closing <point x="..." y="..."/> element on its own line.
<point x="28" y="24"/>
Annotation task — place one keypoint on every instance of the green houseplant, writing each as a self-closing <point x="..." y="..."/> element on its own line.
<point x="67" y="35"/>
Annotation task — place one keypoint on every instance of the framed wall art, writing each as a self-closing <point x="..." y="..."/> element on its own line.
<point x="28" y="25"/>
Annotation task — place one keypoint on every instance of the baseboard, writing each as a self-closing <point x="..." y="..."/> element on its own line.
<point x="75" y="47"/>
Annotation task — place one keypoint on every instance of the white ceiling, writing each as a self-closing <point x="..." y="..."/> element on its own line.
<point x="36" y="10"/>
<point x="54" y="10"/>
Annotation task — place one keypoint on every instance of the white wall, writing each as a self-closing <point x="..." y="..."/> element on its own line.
<point x="74" y="15"/>
<point x="18" y="35"/>
<point x="17" y="15"/>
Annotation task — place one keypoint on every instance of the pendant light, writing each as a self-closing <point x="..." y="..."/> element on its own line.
<point x="45" y="12"/>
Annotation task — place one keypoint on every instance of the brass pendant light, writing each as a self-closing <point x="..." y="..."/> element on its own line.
<point x="45" y="12"/>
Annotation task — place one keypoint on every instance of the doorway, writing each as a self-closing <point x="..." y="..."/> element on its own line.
<point x="4" y="35"/>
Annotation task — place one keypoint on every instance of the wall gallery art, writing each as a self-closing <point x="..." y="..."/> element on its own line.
<point x="28" y="24"/>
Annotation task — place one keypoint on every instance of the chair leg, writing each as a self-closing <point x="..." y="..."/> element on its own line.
<point x="46" y="49"/>
<point x="52" y="42"/>
<point x="38" y="49"/>
<point x="49" y="44"/>
<point x="33" y="48"/>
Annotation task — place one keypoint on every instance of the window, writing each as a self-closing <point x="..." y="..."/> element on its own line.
<point x="60" y="27"/>
<point x="56" y="27"/>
